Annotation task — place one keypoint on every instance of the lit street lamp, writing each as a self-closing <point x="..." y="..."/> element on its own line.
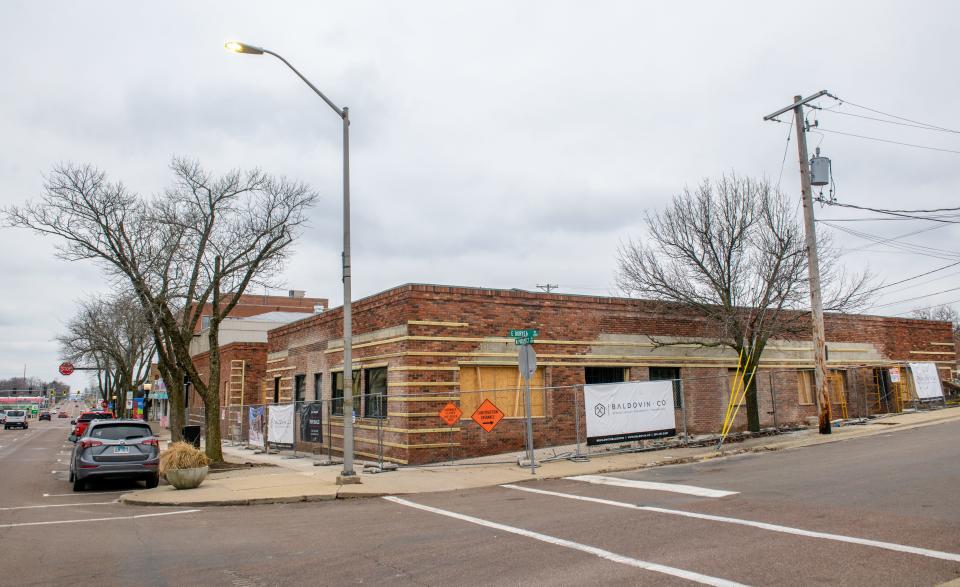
<point x="348" y="475"/>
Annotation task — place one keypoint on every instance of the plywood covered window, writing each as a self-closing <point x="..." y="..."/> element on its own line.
<point x="806" y="388"/>
<point x="502" y="386"/>
<point x="837" y="387"/>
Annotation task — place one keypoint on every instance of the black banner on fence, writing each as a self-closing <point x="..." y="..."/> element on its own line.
<point x="311" y="422"/>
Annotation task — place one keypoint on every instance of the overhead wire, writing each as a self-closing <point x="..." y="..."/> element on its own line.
<point x="948" y="219"/>
<point x="874" y="110"/>
<point x="927" y="307"/>
<point x="898" y="302"/>
<point x="927" y="147"/>
<point x="893" y="242"/>
<point x="924" y="274"/>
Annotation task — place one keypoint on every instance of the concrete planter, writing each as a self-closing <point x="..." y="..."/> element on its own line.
<point x="187" y="478"/>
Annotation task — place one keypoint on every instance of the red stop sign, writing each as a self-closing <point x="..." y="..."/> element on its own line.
<point x="66" y="368"/>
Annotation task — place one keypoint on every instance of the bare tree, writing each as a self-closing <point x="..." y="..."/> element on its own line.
<point x="732" y="251"/>
<point x="114" y="335"/>
<point x="178" y="252"/>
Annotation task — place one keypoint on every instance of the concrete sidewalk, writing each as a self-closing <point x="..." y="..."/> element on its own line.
<point x="292" y="480"/>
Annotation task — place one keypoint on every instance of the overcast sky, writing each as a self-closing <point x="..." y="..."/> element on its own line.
<point x="496" y="144"/>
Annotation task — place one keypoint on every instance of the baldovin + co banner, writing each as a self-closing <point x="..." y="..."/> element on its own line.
<point x="636" y="410"/>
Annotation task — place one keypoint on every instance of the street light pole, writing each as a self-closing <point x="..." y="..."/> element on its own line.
<point x="348" y="475"/>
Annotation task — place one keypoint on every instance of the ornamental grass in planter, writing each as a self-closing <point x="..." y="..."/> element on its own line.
<point x="184" y="466"/>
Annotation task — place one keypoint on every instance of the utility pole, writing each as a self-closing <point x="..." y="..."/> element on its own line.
<point x="813" y="266"/>
<point x="548" y="287"/>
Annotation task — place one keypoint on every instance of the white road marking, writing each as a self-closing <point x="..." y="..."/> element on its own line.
<point x="949" y="556"/>
<point x="56" y="505"/>
<point x="85" y="493"/>
<point x="599" y="552"/>
<point x="137" y="517"/>
<point x="672" y="487"/>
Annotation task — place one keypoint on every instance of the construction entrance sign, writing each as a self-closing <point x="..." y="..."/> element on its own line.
<point x="450" y="414"/>
<point x="487" y="415"/>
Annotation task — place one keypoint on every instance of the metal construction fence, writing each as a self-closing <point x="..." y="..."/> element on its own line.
<point x="478" y="426"/>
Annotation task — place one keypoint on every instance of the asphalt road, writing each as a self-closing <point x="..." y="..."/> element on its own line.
<point x="883" y="510"/>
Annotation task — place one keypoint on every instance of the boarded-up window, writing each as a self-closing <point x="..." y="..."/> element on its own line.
<point x="837" y="387"/>
<point x="805" y="388"/>
<point x="502" y="386"/>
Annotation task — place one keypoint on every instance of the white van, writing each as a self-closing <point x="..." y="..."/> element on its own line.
<point x="15" y="419"/>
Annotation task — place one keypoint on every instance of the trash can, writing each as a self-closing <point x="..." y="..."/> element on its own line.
<point x="191" y="434"/>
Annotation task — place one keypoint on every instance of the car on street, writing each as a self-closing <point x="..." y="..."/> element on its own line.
<point x="63" y="414"/>
<point x="15" y="419"/>
<point x="81" y="423"/>
<point x="3" y="416"/>
<point x="115" y="449"/>
<point x="44" y="416"/>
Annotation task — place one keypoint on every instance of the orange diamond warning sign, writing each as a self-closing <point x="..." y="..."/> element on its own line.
<point x="450" y="414"/>
<point x="487" y="415"/>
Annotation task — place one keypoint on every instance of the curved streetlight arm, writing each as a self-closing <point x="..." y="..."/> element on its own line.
<point x="336" y="109"/>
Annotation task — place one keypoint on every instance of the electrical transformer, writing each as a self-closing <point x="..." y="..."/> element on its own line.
<point x="819" y="170"/>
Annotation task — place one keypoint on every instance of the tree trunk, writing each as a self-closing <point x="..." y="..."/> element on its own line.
<point x="753" y="407"/>
<point x="211" y="394"/>
<point x="211" y="404"/>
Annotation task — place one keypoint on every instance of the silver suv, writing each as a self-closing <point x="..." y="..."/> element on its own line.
<point x="15" y="419"/>
<point x="115" y="449"/>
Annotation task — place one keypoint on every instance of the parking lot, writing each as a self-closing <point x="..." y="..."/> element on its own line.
<point x="881" y="510"/>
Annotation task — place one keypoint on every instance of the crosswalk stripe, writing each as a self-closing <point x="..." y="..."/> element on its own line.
<point x="948" y="556"/>
<point x="634" y="484"/>
<point x="598" y="552"/>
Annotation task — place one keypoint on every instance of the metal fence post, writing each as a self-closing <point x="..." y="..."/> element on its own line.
<point x="576" y="417"/>
<point x="330" y="431"/>
<point x="382" y="414"/>
<point x="773" y="399"/>
<point x="683" y="412"/>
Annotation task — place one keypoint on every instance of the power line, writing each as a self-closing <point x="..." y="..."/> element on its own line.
<point x="871" y="219"/>
<point x="907" y="124"/>
<point x="917" y="276"/>
<point x="924" y="124"/>
<point x="850" y="134"/>
<point x="927" y="307"/>
<point x="948" y="219"/>
<point x="786" y="147"/>
<point x="892" y="242"/>
<point x="936" y="293"/>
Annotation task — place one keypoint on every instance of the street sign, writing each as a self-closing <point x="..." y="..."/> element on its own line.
<point x="66" y="368"/>
<point x="527" y="360"/>
<point x="487" y="415"/>
<point x="523" y="341"/>
<point x="527" y="333"/>
<point x="450" y="414"/>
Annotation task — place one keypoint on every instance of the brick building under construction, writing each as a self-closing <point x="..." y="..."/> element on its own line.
<point x="417" y="348"/>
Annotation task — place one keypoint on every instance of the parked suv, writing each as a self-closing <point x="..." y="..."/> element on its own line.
<point x="15" y="419"/>
<point x="115" y="449"/>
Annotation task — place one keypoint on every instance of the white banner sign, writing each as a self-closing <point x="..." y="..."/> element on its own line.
<point x="926" y="380"/>
<point x="255" y="429"/>
<point x="620" y="412"/>
<point x="280" y="427"/>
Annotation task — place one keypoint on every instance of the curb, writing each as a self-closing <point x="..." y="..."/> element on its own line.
<point x="227" y="502"/>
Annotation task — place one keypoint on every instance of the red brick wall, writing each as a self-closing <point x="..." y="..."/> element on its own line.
<point x="492" y="313"/>
<point x="253" y="305"/>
